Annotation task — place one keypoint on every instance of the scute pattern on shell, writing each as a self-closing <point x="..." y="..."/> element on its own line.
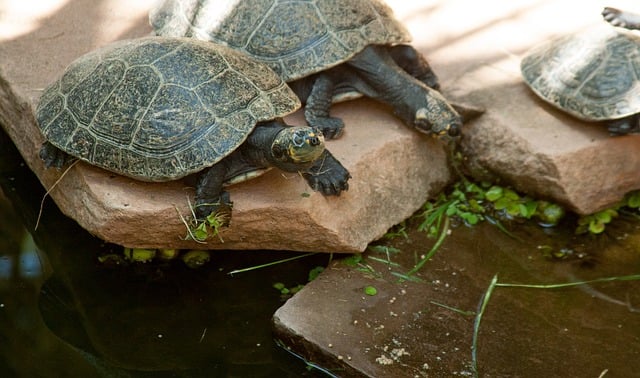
<point x="295" y="38"/>
<point x="592" y="75"/>
<point x="158" y="109"/>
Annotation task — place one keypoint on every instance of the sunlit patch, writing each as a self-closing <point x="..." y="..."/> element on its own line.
<point x="21" y="17"/>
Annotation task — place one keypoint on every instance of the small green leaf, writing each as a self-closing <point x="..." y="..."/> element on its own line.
<point x="200" y="233"/>
<point x="605" y="216"/>
<point x="295" y="289"/>
<point x="513" y="209"/>
<point x="315" y="272"/>
<point x="550" y="213"/>
<point x="470" y="218"/>
<point x="511" y="194"/>
<point x="530" y="208"/>
<point x="634" y="200"/>
<point x="596" y="227"/>
<point x="501" y="203"/>
<point x="352" y="260"/>
<point x="475" y="206"/>
<point x="370" y="290"/>
<point x="279" y="286"/>
<point x="494" y="193"/>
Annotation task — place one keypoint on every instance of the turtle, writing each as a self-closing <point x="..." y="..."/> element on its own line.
<point x="327" y="50"/>
<point x="161" y="108"/>
<point x="592" y="75"/>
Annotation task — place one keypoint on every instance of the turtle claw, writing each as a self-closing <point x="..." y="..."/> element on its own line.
<point x="328" y="176"/>
<point x="331" y="127"/>
<point x="329" y="187"/>
<point x="622" y="19"/>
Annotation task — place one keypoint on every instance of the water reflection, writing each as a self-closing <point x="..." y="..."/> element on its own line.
<point x="63" y="314"/>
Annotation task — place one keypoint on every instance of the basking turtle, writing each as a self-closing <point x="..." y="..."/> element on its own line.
<point x="160" y="109"/>
<point x="592" y="75"/>
<point x="328" y="50"/>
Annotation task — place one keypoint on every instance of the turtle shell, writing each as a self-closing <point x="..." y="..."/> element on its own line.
<point x="295" y="38"/>
<point x="592" y="75"/>
<point x="157" y="108"/>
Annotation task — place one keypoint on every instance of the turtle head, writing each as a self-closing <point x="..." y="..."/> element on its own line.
<point x="437" y="117"/>
<point x="297" y="146"/>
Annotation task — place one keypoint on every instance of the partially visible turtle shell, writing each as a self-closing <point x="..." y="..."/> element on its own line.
<point x="592" y="75"/>
<point x="295" y="38"/>
<point x="158" y="108"/>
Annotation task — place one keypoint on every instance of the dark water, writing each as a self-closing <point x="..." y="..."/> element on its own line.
<point x="63" y="314"/>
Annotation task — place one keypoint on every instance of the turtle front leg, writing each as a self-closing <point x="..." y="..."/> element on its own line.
<point x="210" y="197"/>
<point x="316" y="111"/>
<point x="414" y="63"/>
<point x="327" y="175"/>
<point x="617" y="17"/>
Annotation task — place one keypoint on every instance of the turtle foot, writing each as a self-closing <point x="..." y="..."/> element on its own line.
<point x="328" y="176"/>
<point x="331" y="127"/>
<point x="622" y="19"/>
<point x="216" y="210"/>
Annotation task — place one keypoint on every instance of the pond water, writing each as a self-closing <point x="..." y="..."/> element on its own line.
<point x="64" y="314"/>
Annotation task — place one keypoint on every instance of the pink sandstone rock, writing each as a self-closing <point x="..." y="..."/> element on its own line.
<point x="394" y="169"/>
<point x="520" y="140"/>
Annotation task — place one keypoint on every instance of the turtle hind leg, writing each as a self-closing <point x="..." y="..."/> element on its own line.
<point x="53" y="156"/>
<point x="318" y="103"/>
<point x="410" y="60"/>
<point x="617" y="17"/>
<point x="624" y="126"/>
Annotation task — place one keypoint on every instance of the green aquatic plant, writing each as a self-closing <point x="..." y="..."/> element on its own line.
<point x="289" y="291"/>
<point x="370" y="290"/>
<point x="201" y="231"/>
<point x="142" y="255"/>
<point x="597" y="222"/>
<point x="472" y="203"/>
<point x="195" y="258"/>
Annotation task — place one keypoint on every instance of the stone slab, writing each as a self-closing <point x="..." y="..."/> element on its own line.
<point x="424" y="327"/>
<point x="394" y="169"/>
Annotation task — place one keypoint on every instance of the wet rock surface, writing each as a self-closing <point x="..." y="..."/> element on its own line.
<point x="424" y="327"/>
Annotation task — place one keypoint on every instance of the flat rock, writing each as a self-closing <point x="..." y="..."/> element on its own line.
<point x="394" y="169"/>
<point x="424" y="327"/>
